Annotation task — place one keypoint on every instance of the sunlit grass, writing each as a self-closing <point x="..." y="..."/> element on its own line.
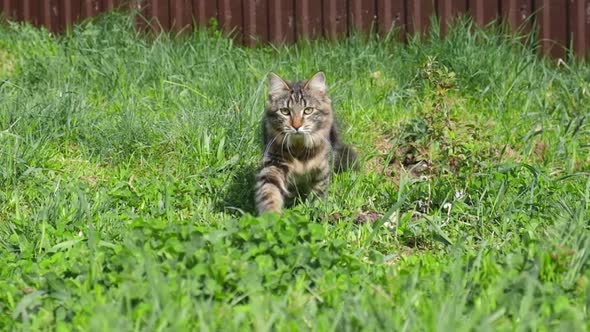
<point x="126" y="174"/>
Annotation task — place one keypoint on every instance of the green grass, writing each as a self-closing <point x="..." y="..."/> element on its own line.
<point x="126" y="173"/>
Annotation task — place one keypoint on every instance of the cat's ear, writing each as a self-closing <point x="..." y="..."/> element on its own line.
<point x="317" y="83"/>
<point x="276" y="85"/>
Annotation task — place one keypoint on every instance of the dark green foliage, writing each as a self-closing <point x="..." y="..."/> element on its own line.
<point x="126" y="167"/>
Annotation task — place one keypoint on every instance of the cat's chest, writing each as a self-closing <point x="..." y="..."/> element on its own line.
<point x="306" y="168"/>
<point x="302" y="182"/>
<point x="298" y="183"/>
<point x="303" y="173"/>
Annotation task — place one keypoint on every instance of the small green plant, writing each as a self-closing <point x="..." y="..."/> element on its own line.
<point x="213" y="27"/>
<point x="440" y="138"/>
<point x="7" y="64"/>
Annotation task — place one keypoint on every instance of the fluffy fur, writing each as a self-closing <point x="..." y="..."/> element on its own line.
<point x="302" y="144"/>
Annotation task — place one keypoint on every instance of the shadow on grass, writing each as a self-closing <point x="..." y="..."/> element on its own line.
<point x="238" y="195"/>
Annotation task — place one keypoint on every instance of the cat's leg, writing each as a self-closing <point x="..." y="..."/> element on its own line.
<point x="321" y="180"/>
<point x="271" y="188"/>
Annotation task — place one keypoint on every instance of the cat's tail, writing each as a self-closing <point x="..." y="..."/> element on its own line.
<point x="344" y="158"/>
<point x="344" y="155"/>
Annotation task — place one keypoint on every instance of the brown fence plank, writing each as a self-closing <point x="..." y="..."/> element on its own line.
<point x="144" y="17"/>
<point x="308" y="18"/>
<point x="9" y="8"/>
<point x="48" y="15"/>
<point x="517" y="13"/>
<point x="90" y="8"/>
<point x="70" y="13"/>
<point x="204" y="11"/>
<point x="230" y="18"/>
<point x="143" y="9"/>
<point x="362" y="14"/>
<point x="418" y="15"/>
<point x="119" y="4"/>
<point x="255" y="22"/>
<point x="335" y="18"/>
<point x="391" y="14"/>
<point x="57" y="13"/>
<point x="26" y="13"/>
<point x="15" y="10"/>
<point x="109" y="5"/>
<point x="484" y="11"/>
<point x="448" y="10"/>
<point x="44" y="14"/>
<point x="54" y="12"/>
<point x="579" y="17"/>
<point x="155" y="15"/>
<point x="281" y="21"/>
<point x="553" y="22"/>
<point x="160" y="17"/>
<point x="181" y="15"/>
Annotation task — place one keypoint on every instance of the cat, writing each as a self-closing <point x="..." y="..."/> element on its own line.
<point x="302" y="143"/>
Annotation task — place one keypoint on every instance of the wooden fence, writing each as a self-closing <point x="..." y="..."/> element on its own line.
<point x="561" y="23"/>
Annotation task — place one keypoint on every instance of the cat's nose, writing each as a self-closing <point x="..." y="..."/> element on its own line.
<point x="297" y="123"/>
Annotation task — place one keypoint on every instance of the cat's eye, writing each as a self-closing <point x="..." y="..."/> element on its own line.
<point x="285" y="111"/>
<point x="308" y="110"/>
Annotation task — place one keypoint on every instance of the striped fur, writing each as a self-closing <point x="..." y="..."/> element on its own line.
<point x="302" y="145"/>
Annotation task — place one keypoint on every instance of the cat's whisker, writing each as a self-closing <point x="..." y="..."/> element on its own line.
<point x="289" y="146"/>
<point x="270" y="144"/>
<point x="308" y="147"/>
<point x="305" y="139"/>
<point x="287" y="141"/>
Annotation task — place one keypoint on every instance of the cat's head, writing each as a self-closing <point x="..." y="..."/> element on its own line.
<point x="299" y="110"/>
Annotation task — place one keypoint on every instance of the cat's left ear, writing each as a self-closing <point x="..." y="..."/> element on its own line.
<point x="317" y="83"/>
<point x="276" y="85"/>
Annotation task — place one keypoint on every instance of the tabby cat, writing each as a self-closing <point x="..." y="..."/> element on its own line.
<point x="302" y="145"/>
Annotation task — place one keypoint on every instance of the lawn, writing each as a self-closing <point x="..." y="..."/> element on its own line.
<point x="126" y="185"/>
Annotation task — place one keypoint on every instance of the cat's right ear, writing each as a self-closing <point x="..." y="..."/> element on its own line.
<point x="276" y="85"/>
